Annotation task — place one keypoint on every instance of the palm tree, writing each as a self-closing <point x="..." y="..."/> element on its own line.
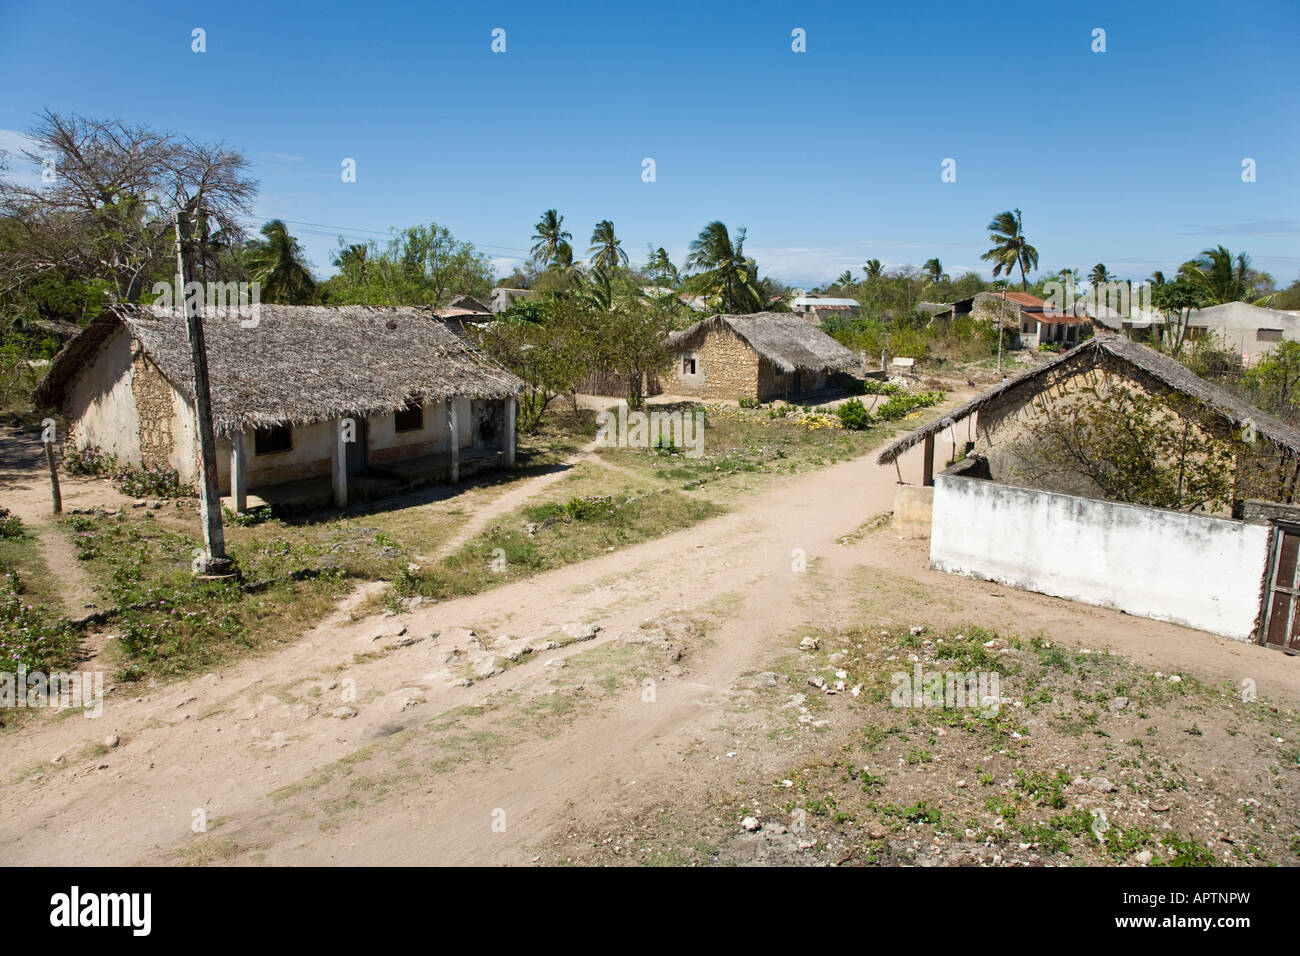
<point x="1010" y="247"/>
<point x="662" y="268"/>
<point x="727" y="276"/>
<point x="608" y="251"/>
<point x="1100" y="275"/>
<point x="873" y="269"/>
<point x="933" y="270"/>
<point x="846" y="279"/>
<point x="561" y="258"/>
<point x="354" y="261"/>
<point x="277" y="262"/>
<point x="548" y="234"/>
<point x="1223" y="277"/>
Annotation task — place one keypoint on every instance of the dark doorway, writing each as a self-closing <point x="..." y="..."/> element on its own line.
<point x="356" y="450"/>
<point x="1281" y="620"/>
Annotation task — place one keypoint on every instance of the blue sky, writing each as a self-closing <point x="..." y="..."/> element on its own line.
<point x="1131" y="157"/>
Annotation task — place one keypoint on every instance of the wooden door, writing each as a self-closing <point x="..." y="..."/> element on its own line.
<point x="1281" y="621"/>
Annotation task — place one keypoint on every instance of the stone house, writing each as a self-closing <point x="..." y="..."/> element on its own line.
<point x="1230" y="571"/>
<point x="309" y="396"/>
<point x="763" y="356"/>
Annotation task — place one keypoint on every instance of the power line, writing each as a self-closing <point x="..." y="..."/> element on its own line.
<point x="325" y="230"/>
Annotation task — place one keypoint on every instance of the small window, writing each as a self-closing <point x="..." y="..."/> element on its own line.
<point x="1268" y="335"/>
<point x="268" y="441"/>
<point x="1196" y="332"/>
<point x="688" y="366"/>
<point x="409" y="419"/>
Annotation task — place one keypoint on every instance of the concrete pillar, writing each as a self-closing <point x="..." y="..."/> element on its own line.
<point x="339" y="467"/>
<point x="510" y="432"/>
<point x="453" y="441"/>
<point x="927" y="474"/>
<point x="239" y="472"/>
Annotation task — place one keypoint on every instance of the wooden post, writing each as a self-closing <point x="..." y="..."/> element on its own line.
<point x="454" y="471"/>
<point x="339" y="469"/>
<point x="214" y="539"/>
<point x="54" y="477"/>
<point x="510" y="432"/>
<point x="238" y="472"/>
<point x="927" y="473"/>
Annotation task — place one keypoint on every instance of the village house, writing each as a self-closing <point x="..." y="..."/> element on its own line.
<point x="1231" y="573"/>
<point x="763" y="356"/>
<point x="818" y="308"/>
<point x="306" y="400"/>
<point x="1031" y="321"/>
<point x="463" y="311"/>
<point x="1246" y="329"/>
<point x="503" y="298"/>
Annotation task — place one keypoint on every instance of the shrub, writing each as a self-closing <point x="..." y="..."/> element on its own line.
<point x="11" y="525"/>
<point x="854" y="415"/>
<point x="901" y="405"/>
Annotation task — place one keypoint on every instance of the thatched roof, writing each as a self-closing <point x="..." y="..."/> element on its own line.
<point x="1102" y="350"/>
<point x="463" y="305"/>
<point x="786" y="340"/>
<point x="301" y="364"/>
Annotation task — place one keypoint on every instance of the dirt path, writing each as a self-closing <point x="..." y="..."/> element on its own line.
<point x="25" y="490"/>
<point x="279" y="779"/>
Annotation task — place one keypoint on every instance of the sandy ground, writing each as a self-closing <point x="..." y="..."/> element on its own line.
<point x="391" y="740"/>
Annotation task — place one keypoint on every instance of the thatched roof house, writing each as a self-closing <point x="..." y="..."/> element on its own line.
<point x="1122" y="356"/>
<point x="1017" y="511"/>
<point x="280" y="384"/>
<point x="762" y="356"/>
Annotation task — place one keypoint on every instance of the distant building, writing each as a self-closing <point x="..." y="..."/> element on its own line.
<point x="1247" y="329"/>
<point x="817" y="308"/>
<point x="503" y="298"/>
<point x="462" y="311"/>
<point x="1030" y="319"/>
<point x="762" y="356"/>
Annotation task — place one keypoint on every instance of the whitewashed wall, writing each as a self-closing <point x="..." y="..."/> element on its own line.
<point x="1196" y="571"/>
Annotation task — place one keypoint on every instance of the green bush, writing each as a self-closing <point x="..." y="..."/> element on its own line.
<point x="854" y="415"/>
<point x="902" y="405"/>
<point x="11" y="525"/>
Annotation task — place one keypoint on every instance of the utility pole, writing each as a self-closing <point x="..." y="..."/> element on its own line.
<point x="214" y="540"/>
<point x="1002" y="311"/>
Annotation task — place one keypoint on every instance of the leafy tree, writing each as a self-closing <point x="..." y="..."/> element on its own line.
<point x="550" y="355"/>
<point x="1010" y="247"/>
<point x="420" y="265"/>
<point x="548" y="235"/>
<point x="1131" y="445"/>
<point x="606" y="251"/>
<point x="1276" y="378"/>
<point x="277" y="262"/>
<point x="1176" y="300"/>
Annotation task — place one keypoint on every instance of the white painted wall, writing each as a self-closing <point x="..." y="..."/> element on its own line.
<point x="1192" y="570"/>
<point x="101" y="404"/>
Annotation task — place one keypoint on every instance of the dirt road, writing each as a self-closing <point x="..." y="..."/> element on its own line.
<point x="363" y="743"/>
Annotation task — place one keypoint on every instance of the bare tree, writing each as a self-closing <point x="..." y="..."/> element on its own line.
<point x="106" y="212"/>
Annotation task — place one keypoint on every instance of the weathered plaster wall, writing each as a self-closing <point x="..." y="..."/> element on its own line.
<point x="725" y="367"/>
<point x="386" y="444"/>
<point x="155" y="411"/>
<point x="100" y="407"/>
<point x="1197" y="571"/>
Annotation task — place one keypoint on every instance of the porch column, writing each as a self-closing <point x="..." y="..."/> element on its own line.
<point x="510" y="432"/>
<point x="339" y="467"/>
<point x="454" y="441"/>
<point x="238" y="472"/>
<point x="927" y="455"/>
